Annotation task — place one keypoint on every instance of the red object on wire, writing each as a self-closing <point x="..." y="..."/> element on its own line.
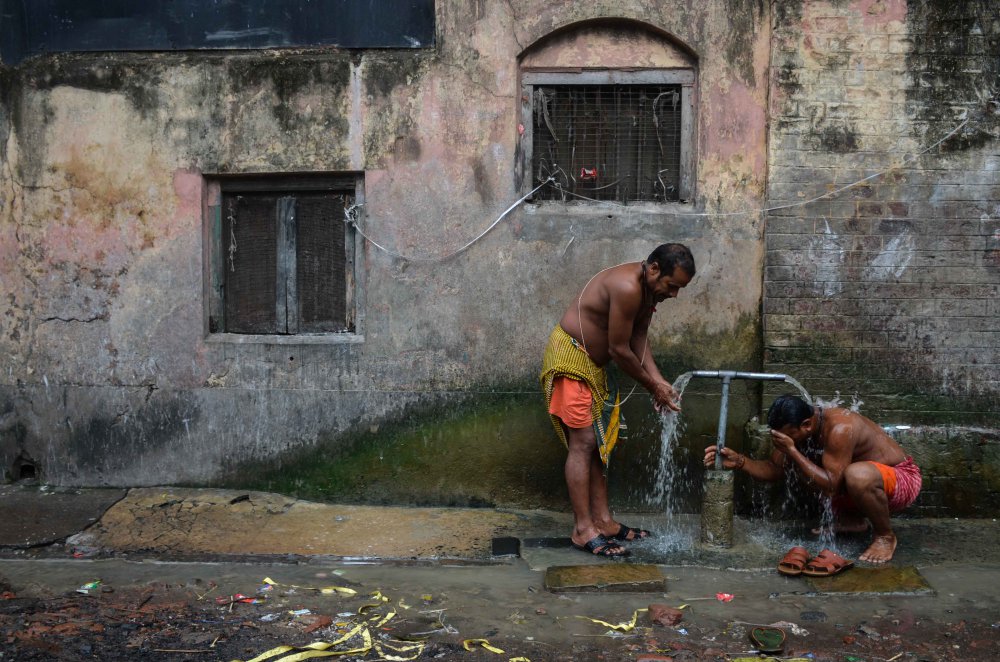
<point x="724" y="597"/>
<point x="588" y="174"/>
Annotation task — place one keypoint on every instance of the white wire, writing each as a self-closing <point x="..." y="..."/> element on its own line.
<point x="906" y="160"/>
<point x="350" y="215"/>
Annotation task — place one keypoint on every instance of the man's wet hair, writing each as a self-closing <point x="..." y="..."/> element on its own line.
<point x="788" y="409"/>
<point x="670" y="256"/>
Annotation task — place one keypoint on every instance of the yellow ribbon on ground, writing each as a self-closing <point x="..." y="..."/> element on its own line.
<point x="385" y="650"/>
<point x="469" y="643"/>
<point x="564" y="357"/>
<point x="318" y="649"/>
<point x="326" y="590"/>
<point x="406" y="648"/>
<point x="624" y="627"/>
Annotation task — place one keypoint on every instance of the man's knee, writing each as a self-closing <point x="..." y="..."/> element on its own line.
<point x="862" y="476"/>
<point x="580" y="439"/>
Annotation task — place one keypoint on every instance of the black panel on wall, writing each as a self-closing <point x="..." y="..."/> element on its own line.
<point x="32" y="27"/>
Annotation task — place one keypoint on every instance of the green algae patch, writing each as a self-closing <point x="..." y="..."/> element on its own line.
<point x="608" y="578"/>
<point x="883" y="581"/>
<point x="478" y="451"/>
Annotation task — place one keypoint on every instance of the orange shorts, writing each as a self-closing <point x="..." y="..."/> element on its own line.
<point x="572" y="402"/>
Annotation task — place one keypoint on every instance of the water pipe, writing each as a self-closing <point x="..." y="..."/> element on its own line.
<point x="717" y="505"/>
<point x="727" y="376"/>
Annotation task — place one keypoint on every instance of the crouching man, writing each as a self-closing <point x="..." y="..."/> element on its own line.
<point x="862" y="469"/>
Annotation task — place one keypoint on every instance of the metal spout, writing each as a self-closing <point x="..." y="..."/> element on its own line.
<point x="733" y="374"/>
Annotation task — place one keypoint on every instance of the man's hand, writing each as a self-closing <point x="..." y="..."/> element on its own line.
<point x="730" y="458"/>
<point x="664" y="395"/>
<point x="782" y="442"/>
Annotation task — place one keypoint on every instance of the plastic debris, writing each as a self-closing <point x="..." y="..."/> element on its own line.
<point x="623" y="627"/>
<point x="788" y="625"/>
<point x="325" y="590"/>
<point x="682" y="630"/>
<point x="267" y="618"/>
<point x="88" y="587"/>
<point x="469" y="643"/>
<point x="239" y="597"/>
<point x="724" y="597"/>
<point x="300" y="612"/>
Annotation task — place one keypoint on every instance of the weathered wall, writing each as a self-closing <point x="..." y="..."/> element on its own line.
<point x="108" y="376"/>
<point x="888" y="290"/>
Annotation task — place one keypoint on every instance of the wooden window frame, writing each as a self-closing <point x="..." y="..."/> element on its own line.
<point x="281" y="184"/>
<point x="684" y="77"/>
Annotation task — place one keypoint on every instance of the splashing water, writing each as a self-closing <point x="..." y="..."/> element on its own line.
<point x="666" y="470"/>
<point x="802" y="391"/>
<point x="837" y="401"/>
<point x="668" y="475"/>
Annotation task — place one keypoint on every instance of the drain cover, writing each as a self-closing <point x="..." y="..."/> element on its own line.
<point x="874" y="580"/>
<point x="616" y="577"/>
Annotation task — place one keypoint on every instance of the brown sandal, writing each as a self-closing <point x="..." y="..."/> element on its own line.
<point x="826" y="564"/>
<point x="793" y="562"/>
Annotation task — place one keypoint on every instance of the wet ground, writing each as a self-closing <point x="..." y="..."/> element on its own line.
<point x="432" y="582"/>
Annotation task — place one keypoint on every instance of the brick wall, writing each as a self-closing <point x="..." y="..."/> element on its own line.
<point x="889" y="290"/>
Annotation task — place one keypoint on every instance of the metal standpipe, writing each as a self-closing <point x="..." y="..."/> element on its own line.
<point x="717" y="504"/>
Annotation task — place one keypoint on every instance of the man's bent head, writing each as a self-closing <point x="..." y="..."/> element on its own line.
<point x="671" y="268"/>
<point x="791" y="415"/>
<point x="670" y="256"/>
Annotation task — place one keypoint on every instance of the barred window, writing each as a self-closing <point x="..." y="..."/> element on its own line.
<point x="615" y="140"/>
<point x="283" y="258"/>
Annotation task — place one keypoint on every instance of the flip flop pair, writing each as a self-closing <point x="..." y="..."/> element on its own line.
<point x="825" y="564"/>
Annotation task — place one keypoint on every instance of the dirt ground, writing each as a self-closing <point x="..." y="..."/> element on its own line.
<point x="173" y="611"/>
<point x="161" y="574"/>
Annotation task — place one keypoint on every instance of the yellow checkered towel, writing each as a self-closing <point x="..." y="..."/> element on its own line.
<point x="565" y="357"/>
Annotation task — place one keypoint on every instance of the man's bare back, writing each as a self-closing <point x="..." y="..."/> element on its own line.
<point x="865" y="440"/>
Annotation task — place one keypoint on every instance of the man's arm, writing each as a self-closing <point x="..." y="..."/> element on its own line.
<point x="769" y="470"/>
<point x="837" y="453"/>
<point x="622" y="333"/>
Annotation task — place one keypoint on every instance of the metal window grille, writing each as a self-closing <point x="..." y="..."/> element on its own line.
<point x="285" y="262"/>
<point x="607" y="142"/>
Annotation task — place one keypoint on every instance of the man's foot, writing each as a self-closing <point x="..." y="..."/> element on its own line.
<point x="601" y="546"/>
<point x="629" y="533"/>
<point x="881" y="549"/>
<point x="846" y="525"/>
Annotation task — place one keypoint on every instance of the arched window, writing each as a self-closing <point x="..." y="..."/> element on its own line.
<point x="607" y="112"/>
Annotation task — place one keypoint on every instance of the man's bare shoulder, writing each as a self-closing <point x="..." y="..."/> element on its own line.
<point x="839" y="427"/>
<point x="621" y="279"/>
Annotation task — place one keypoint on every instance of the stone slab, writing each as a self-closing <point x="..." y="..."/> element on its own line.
<point x="31" y="516"/>
<point x="190" y="522"/>
<point x="611" y="577"/>
<point x="882" y="581"/>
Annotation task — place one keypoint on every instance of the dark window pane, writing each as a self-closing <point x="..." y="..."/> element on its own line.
<point x="321" y="267"/>
<point x="249" y="238"/>
<point x="608" y="142"/>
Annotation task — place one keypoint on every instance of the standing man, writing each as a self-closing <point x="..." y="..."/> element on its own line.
<point x="863" y="469"/>
<point x="609" y="320"/>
